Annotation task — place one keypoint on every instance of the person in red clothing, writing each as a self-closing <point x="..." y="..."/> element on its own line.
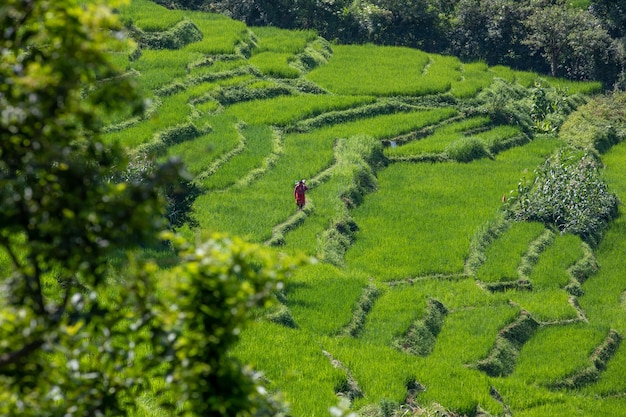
<point x="298" y="193"/>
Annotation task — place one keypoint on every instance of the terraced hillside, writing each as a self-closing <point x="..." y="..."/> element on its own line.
<point x="423" y="293"/>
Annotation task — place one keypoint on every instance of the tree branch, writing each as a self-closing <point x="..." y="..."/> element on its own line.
<point x="12" y="357"/>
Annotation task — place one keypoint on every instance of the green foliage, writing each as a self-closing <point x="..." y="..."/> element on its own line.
<point x="216" y="285"/>
<point x="598" y="124"/>
<point x="570" y="194"/>
<point x="183" y="33"/>
<point x="570" y="40"/>
<point x="83" y="331"/>
<point x="467" y="149"/>
<point x="63" y="219"/>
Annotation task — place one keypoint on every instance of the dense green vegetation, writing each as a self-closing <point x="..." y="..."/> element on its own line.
<point x="582" y="39"/>
<point x="462" y="227"/>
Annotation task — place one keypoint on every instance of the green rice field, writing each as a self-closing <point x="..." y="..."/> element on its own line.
<point x="407" y="303"/>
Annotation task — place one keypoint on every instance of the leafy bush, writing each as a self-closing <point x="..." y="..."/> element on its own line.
<point x="467" y="149"/>
<point x="505" y="104"/>
<point x="183" y="33"/>
<point x="570" y="194"/>
<point x="598" y="124"/>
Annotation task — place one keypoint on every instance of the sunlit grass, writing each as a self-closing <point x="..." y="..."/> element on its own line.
<point x="423" y="216"/>
<point x="393" y="313"/>
<point x="506" y="73"/>
<point x="288" y="109"/>
<point x="555" y="352"/>
<point x="440" y="139"/>
<point x="546" y="305"/>
<point x="612" y="379"/>
<point x="574" y="87"/>
<point x="174" y="110"/>
<point x="498" y="134"/>
<point x="275" y="64"/>
<point x="504" y="254"/>
<point x="292" y="358"/>
<point x="258" y="147"/>
<point x="149" y="16"/>
<point x="270" y="38"/>
<point x="199" y="153"/>
<point x="159" y="68"/>
<point x="372" y="70"/>
<point x="221" y="35"/>
<point x="381" y="371"/>
<point x="567" y="405"/>
<point x="418" y="224"/>
<point x="321" y="298"/>
<point x="475" y="77"/>
<point x="469" y="334"/>
<point x="305" y="155"/>
<point x="551" y="268"/>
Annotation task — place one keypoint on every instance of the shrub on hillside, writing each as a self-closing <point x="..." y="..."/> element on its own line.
<point x="570" y="194"/>
<point x="181" y="34"/>
<point x="467" y="149"/>
<point x="538" y="109"/>
<point x="599" y="124"/>
<point x="505" y="103"/>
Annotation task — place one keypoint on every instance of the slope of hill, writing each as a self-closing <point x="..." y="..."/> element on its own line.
<point x="425" y="293"/>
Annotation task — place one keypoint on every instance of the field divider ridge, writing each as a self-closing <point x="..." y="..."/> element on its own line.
<point x="215" y="165"/>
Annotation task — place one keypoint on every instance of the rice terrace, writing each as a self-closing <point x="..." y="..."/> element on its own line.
<point x="423" y="292"/>
<point x="435" y="281"/>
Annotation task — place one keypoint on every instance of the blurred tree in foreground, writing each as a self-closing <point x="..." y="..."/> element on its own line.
<point x="76" y="339"/>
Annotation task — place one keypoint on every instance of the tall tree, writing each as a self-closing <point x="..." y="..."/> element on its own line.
<point x="572" y="41"/>
<point x="411" y="23"/>
<point x="613" y="14"/>
<point x="491" y="30"/>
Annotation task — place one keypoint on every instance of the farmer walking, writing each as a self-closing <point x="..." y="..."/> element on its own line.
<point x="298" y="193"/>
